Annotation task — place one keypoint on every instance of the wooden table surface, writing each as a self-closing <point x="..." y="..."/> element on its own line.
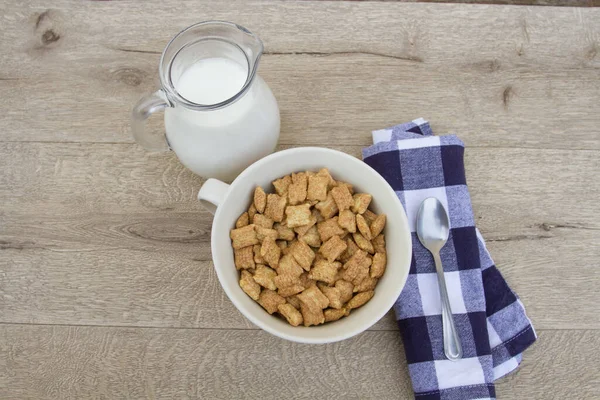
<point x="107" y="289"/>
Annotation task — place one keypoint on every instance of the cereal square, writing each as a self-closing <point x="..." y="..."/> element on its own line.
<point x="333" y="248"/>
<point x="262" y="233"/>
<point x="324" y="271"/>
<point x="378" y="225"/>
<point x="242" y="221"/>
<point x="330" y="181"/>
<point x="311" y="317"/>
<point x="306" y="281"/>
<point x="349" y="186"/>
<point x="369" y="216"/>
<point x="347" y="220"/>
<point x="363" y="227"/>
<point x="378" y="266"/>
<point x="350" y="250"/>
<point x="360" y="202"/>
<point x="292" y="315"/>
<point x="261" y="220"/>
<point x="363" y="243"/>
<point x="290" y="290"/>
<point x="334" y="295"/>
<point x="293" y="300"/>
<point x="357" y="268"/>
<point x="333" y="314"/>
<point x="275" y="207"/>
<point x="251" y="212"/>
<point x="249" y="285"/>
<point x="270" y="251"/>
<point x="301" y="230"/>
<point x="289" y="266"/>
<point x="243" y="237"/>
<point x="264" y="277"/>
<point x="312" y="237"/>
<point x="258" y="259"/>
<point x="366" y="284"/>
<point x="329" y="228"/>
<point x="379" y="243"/>
<point x="360" y="299"/>
<point x="260" y="199"/>
<point x="281" y="185"/>
<point x="317" y="187"/>
<point x="244" y="258"/>
<point x="270" y="300"/>
<point x="303" y="254"/>
<point x="328" y="207"/>
<point x="313" y="298"/>
<point x="298" y="215"/>
<point x="346" y="290"/>
<point x="285" y="280"/>
<point x="342" y="197"/>
<point x="284" y="232"/>
<point x="298" y="189"/>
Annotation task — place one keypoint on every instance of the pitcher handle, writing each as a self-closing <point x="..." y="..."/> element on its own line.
<point x="212" y="194"/>
<point x="148" y="105"/>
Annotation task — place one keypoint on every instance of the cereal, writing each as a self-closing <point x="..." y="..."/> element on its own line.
<point x="244" y="258"/>
<point x="329" y="228"/>
<point x="290" y="290"/>
<point x="379" y="244"/>
<point x="347" y="220"/>
<point x="270" y="300"/>
<point x="289" y="266"/>
<point x="298" y="215"/>
<point x="270" y="251"/>
<point x="333" y="248"/>
<point x="284" y="232"/>
<point x="333" y="315"/>
<point x="242" y="221"/>
<point x="249" y="285"/>
<point x="260" y="199"/>
<point x="317" y="187"/>
<point x="312" y="237"/>
<point x="311" y="317"/>
<point x="262" y="233"/>
<point x="275" y="207"/>
<point x="363" y="227"/>
<point x="377" y="225"/>
<point x="328" y="207"/>
<point x="264" y="277"/>
<point x="366" y="284"/>
<point x="258" y="259"/>
<point x="281" y="185"/>
<point x="363" y="243"/>
<point x="311" y="251"/>
<point x="378" y="266"/>
<point x="313" y="298"/>
<point x="359" y="300"/>
<point x="303" y="254"/>
<point x="292" y="315"/>
<point x="346" y="290"/>
<point x="343" y="198"/>
<point x="324" y="271"/>
<point x="298" y="189"/>
<point x="360" y="202"/>
<point x="243" y="237"/>
<point x="334" y="295"/>
<point x="263" y="221"/>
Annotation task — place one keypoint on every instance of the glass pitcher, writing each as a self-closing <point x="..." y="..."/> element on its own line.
<point x="220" y="116"/>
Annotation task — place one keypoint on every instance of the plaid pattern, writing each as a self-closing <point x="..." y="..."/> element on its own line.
<point x="493" y="327"/>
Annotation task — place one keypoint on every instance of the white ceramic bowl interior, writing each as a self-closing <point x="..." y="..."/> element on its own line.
<point x="342" y="167"/>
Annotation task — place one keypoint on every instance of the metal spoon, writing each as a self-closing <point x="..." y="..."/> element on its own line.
<point x="433" y="228"/>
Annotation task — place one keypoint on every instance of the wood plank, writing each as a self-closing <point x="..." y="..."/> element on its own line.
<point x="554" y="3"/>
<point x="501" y="76"/>
<point x="104" y="234"/>
<point x="82" y="362"/>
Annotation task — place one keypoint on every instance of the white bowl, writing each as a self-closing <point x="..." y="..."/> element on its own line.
<point x="232" y="200"/>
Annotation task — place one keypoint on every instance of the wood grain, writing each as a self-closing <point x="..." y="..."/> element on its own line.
<point x="105" y="234"/>
<point x="82" y="362"/>
<point x="555" y="3"/>
<point x="515" y="77"/>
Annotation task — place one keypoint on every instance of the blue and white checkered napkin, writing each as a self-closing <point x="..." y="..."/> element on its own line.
<point x="493" y="327"/>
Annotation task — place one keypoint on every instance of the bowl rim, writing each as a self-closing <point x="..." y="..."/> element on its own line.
<point x="374" y="317"/>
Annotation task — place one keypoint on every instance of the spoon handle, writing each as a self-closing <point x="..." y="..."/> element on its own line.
<point x="452" y="346"/>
